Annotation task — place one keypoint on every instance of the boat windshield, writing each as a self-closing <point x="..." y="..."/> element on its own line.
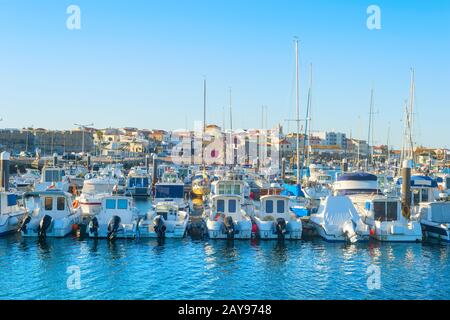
<point x="169" y="191"/>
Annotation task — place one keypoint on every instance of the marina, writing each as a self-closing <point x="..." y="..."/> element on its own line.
<point x="206" y="152"/>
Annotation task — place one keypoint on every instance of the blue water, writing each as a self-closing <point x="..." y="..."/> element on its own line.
<point x="187" y="269"/>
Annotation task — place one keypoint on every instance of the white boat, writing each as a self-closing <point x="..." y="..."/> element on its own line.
<point x="170" y="189"/>
<point x="52" y="176"/>
<point x="430" y="207"/>
<point x="382" y="213"/>
<point x="384" y="216"/>
<point x="10" y="213"/>
<point x="52" y="214"/>
<point x="338" y="220"/>
<point x="93" y="192"/>
<point x="26" y="180"/>
<point x="166" y="220"/>
<point x="225" y="219"/>
<point x="274" y="220"/>
<point x="117" y="219"/>
<point x="138" y="182"/>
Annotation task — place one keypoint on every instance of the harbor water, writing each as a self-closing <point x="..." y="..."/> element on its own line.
<point x="206" y="269"/>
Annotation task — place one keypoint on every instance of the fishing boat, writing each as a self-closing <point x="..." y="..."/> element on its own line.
<point x="117" y="219"/>
<point x="274" y="220"/>
<point x="11" y="213"/>
<point x="51" y="215"/>
<point x="92" y="194"/>
<point x="170" y="189"/>
<point x="138" y="182"/>
<point x="338" y="220"/>
<point x="165" y="220"/>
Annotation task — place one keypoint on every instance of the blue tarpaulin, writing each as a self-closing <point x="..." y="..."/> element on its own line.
<point x="292" y="190"/>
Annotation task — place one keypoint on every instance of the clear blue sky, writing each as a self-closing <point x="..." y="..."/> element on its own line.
<point x="141" y="63"/>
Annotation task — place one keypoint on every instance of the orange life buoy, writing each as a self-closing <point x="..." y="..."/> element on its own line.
<point x="76" y="203"/>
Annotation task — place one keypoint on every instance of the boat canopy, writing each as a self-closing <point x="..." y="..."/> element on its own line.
<point x="338" y="209"/>
<point x="175" y="191"/>
<point x="420" y="181"/>
<point x="357" y="176"/>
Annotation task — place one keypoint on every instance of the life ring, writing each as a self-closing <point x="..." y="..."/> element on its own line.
<point x="76" y="204"/>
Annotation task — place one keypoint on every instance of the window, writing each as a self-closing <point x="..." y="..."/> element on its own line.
<point x="221" y="206"/>
<point x="416" y="196"/>
<point x="60" y="203"/>
<point x="232" y="206"/>
<point x="392" y="208"/>
<point x="122" y="204"/>
<point x="269" y="206"/>
<point x="424" y="195"/>
<point x="237" y="189"/>
<point x="110" y="203"/>
<point x="385" y="210"/>
<point x="280" y="206"/>
<point x="48" y="203"/>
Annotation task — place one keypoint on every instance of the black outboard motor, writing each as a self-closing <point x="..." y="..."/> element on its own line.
<point x="94" y="226"/>
<point x="44" y="225"/>
<point x="281" y="228"/>
<point x="23" y="224"/>
<point x="160" y="228"/>
<point x="229" y="227"/>
<point x="113" y="227"/>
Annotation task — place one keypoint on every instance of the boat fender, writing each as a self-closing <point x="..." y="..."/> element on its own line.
<point x="75" y="204"/>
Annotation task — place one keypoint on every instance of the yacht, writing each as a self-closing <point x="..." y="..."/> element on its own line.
<point x="274" y="220"/>
<point x="11" y="213"/>
<point x="51" y="214"/>
<point x="380" y="212"/>
<point x="166" y="220"/>
<point x="338" y="220"/>
<point x="117" y="219"/>
<point x="93" y="192"/>
<point x="138" y="182"/>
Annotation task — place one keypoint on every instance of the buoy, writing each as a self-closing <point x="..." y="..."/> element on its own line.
<point x="372" y="232"/>
<point x="75" y="204"/>
<point x="74" y="227"/>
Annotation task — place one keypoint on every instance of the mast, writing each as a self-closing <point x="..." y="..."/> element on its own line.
<point x="370" y="132"/>
<point x="297" y="103"/>
<point x="411" y="113"/>
<point x="204" y="123"/>
<point x="308" y="111"/>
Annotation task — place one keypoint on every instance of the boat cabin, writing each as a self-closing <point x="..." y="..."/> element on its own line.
<point x="228" y="205"/>
<point x="168" y="211"/>
<point x="52" y="174"/>
<point x="423" y="189"/>
<point x="228" y="187"/>
<point x="8" y="203"/>
<point x="274" y="205"/>
<point x="53" y="202"/>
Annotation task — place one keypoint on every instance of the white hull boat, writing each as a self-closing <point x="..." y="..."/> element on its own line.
<point x="10" y="213"/>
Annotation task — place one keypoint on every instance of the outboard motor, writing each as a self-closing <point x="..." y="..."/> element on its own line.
<point x="113" y="227"/>
<point x="23" y="224"/>
<point x="229" y="227"/>
<point x="281" y="228"/>
<point x="44" y="224"/>
<point x="160" y="228"/>
<point x="349" y="230"/>
<point x="93" y="226"/>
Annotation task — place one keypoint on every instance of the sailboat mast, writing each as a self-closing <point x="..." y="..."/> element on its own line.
<point x="369" y="137"/>
<point x="204" y="123"/>
<point x="308" y="111"/>
<point x="297" y="102"/>
<point x="411" y="113"/>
